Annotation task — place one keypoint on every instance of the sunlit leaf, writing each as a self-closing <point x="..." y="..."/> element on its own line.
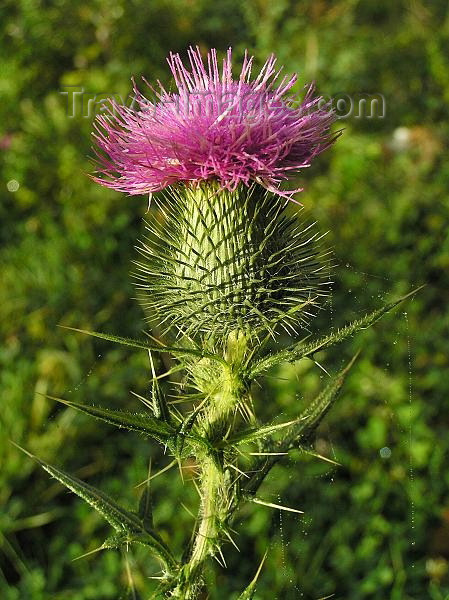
<point x="300" y="432"/>
<point x="122" y="520"/>
<point x="314" y="413"/>
<point x="257" y="433"/>
<point x="141" y="422"/>
<point x="302" y="350"/>
<point x="125" y="341"/>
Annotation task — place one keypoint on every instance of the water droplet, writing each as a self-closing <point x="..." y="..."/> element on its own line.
<point x="13" y="185"/>
<point x="385" y="452"/>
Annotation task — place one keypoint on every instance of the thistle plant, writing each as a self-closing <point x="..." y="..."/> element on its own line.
<point x="222" y="272"/>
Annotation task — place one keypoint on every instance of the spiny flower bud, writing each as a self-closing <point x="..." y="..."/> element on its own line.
<point x="221" y="261"/>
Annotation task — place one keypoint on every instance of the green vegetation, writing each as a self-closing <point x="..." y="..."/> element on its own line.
<point x="375" y="527"/>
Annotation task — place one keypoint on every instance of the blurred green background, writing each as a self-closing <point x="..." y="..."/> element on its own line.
<point x="376" y="527"/>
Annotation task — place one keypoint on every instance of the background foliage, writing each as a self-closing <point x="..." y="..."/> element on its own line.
<point x="376" y="527"/>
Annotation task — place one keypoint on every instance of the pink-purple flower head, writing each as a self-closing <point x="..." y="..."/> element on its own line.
<point x="212" y="128"/>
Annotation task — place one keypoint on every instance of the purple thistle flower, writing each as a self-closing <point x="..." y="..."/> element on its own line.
<point x="213" y="128"/>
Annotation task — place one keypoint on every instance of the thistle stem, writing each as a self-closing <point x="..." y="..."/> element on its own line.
<point x="213" y="492"/>
<point x="212" y="510"/>
<point x="217" y="487"/>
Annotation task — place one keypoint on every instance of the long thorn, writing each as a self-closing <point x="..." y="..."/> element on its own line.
<point x="169" y="466"/>
<point x="228" y="535"/>
<point x="321" y="457"/>
<point x="89" y="553"/>
<point x="278" y="506"/>
<point x="238" y="470"/>
<point x="188" y="510"/>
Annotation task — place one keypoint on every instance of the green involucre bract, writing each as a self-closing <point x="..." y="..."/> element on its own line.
<point x="218" y="262"/>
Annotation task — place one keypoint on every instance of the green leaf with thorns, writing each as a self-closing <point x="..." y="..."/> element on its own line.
<point x="256" y="434"/>
<point x="313" y="415"/>
<point x="123" y="521"/>
<point x="140" y="422"/>
<point x="300" y="432"/>
<point x="301" y="350"/>
<point x="157" y="429"/>
<point x="143" y="345"/>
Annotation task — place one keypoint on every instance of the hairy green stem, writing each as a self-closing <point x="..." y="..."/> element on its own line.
<point x="217" y="488"/>
<point x="213" y="511"/>
<point x="213" y="504"/>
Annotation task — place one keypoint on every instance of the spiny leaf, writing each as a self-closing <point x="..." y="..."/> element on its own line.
<point x="306" y="425"/>
<point x="116" y="541"/>
<point x="125" y="341"/>
<point x="301" y="350"/>
<point x="314" y="413"/>
<point x="122" y="520"/>
<point x="112" y="542"/>
<point x="248" y="594"/>
<point x="141" y="422"/>
<point x="256" y="433"/>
